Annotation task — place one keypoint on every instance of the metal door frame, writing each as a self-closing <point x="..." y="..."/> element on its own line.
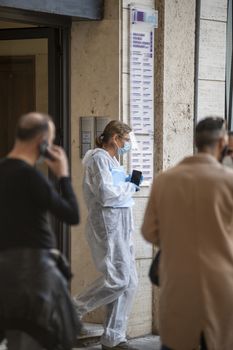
<point x="57" y="30"/>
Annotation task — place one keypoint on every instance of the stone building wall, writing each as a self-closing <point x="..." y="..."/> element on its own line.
<point x="100" y="76"/>
<point x="178" y="80"/>
<point x="140" y="321"/>
<point x="211" y="58"/>
<point x="94" y="92"/>
<point x="174" y="90"/>
<point x="96" y="89"/>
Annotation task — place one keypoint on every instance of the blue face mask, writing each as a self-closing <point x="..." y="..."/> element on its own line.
<point x="126" y="148"/>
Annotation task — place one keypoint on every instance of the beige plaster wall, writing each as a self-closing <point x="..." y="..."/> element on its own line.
<point x="178" y="96"/>
<point x="94" y="92"/>
<point x="212" y="60"/>
<point x="174" y="90"/>
<point x="174" y="105"/>
<point x="97" y="75"/>
<point x="140" y="321"/>
<point x="97" y="81"/>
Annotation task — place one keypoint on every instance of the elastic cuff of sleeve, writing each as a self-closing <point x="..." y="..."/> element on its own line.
<point x="64" y="179"/>
<point x="64" y="182"/>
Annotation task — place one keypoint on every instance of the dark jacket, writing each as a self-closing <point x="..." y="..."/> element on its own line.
<point x="35" y="298"/>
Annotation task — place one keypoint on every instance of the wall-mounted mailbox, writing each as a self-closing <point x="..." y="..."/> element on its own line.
<point x="90" y="128"/>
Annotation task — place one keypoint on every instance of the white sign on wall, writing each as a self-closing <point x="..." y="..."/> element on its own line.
<point x="142" y="158"/>
<point x="142" y="81"/>
<point x="142" y="24"/>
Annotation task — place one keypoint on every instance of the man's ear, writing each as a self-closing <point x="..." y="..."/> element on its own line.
<point x="39" y="139"/>
<point x="223" y="140"/>
<point x="222" y="147"/>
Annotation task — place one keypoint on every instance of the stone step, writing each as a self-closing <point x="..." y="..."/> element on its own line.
<point x="91" y="330"/>
<point x="90" y="336"/>
<point x="149" y="342"/>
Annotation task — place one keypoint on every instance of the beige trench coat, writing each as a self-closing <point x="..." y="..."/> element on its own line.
<point x="190" y="216"/>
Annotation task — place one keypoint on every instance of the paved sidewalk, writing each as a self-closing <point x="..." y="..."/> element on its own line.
<point x="145" y="343"/>
<point x="150" y="342"/>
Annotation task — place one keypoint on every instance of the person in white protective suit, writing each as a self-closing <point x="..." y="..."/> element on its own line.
<point x="109" y="230"/>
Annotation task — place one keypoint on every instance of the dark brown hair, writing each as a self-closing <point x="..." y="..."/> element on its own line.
<point x="209" y="131"/>
<point x="112" y="128"/>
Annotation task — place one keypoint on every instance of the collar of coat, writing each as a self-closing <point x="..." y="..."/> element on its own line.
<point x="201" y="157"/>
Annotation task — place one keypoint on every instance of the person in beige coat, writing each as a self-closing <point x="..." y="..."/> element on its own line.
<point x="190" y="217"/>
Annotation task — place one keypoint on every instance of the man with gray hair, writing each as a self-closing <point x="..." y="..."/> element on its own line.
<point x="36" y="311"/>
<point x="189" y="216"/>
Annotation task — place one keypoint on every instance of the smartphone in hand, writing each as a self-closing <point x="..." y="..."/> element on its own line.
<point x="136" y="177"/>
<point x="44" y="150"/>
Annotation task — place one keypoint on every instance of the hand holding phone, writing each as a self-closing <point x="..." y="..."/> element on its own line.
<point x="136" y="177"/>
<point x="56" y="159"/>
<point x="44" y="152"/>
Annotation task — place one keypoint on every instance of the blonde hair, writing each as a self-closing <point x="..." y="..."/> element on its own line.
<point x="112" y="128"/>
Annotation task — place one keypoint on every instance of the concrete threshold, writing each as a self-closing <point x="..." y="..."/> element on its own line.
<point x="91" y="330"/>
<point x="150" y="342"/>
<point x="90" y="340"/>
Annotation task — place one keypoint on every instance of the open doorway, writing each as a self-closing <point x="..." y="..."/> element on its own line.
<point x="17" y="95"/>
<point x="23" y="83"/>
<point x="34" y="76"/>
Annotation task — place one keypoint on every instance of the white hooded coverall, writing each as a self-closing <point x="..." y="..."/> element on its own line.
<point x="109" y="229"/>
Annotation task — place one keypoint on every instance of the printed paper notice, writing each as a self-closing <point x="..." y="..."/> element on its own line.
<point x="142" y="158"/>
<point x="142" y="81"/>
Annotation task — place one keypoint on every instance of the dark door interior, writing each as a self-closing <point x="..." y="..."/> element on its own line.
<point x="17" y="95"/>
